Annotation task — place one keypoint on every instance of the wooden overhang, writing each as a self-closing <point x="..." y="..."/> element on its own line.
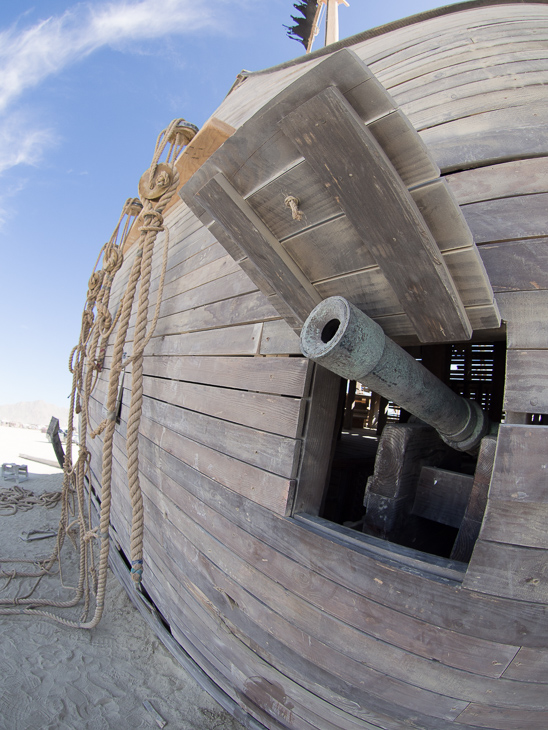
<point x="376" y="222"/>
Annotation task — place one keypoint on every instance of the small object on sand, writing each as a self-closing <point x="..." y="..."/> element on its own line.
<point x="37" y="535"/>
<point x="15" y="471"/>
<point x="158" y="718"/>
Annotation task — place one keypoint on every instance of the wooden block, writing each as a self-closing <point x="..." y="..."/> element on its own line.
<point x="344" y="154"/>
<point x="403" y="451"/>
<point x="442" y="496"/>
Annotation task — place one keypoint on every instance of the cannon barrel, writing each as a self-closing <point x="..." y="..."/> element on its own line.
<point x="343" y="339"/>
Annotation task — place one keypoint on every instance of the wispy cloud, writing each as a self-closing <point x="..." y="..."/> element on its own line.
<point x="30" y="54"/>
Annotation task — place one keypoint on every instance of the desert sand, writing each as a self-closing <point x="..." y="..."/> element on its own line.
<point x="58" y="678"/>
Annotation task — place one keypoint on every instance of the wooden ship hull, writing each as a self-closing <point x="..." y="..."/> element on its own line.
<point x="308" y="576"/>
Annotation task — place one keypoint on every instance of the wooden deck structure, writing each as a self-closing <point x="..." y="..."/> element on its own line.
<point x="418" y="153"/>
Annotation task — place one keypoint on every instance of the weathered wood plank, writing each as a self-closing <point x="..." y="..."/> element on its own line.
<point x="319" y="259"/>
<point x="318" y="441"/>
<point x="517" y="265"/>
<point x="283" y="376"/>
<point x="526" y="381"/>
<point x="276" y="454"/>
<point x="269" y="490"/>
<point x="442" y="495"/>
<point x="509" y="571"/>
<point x="482" y="716"/>
<point x="490" y="137"/>
<point x="508" y="218"/>
<point x="481" y="617"/>
<point x="516" y="523"/>
<point x="520" y="177"/>
<point x="268" y="412"/>
<point x="237" y="217"/>
<point x="521" y="464"/>
<point x="239" y="340"/>
<point x="344" y="155"/>
<point x="473" y="517"/>
<point x="279" y="339"/>
<point x="524" y="312"/>
<point x="317" y="626"/>
<point x="529" y="665"/>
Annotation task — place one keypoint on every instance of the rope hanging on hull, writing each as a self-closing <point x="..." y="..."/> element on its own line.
<point x="156" y="189"/>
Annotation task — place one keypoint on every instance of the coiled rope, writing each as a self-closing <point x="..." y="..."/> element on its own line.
<point x="156" y="189"/>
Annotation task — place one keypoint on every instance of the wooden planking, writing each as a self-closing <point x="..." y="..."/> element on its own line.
<point x="330" y="249"/>
<point x="507" y="560"/>
<point x="260" y="486"/>
<point x="526" y="381"/>
<point x="509" y="571"/>
<point x="223" y="635"/>
<point x="279" y="339"/>
<point x="248" y="164"/>
<point x="239" y="340"/>
<point x="489" y="137"/>
<point x="529" y="665"/>
<point x="523" y="177"/>
<point x="318" y="441"/>
<point x="445" y="220"/>
<point x="478" y="715"/>
<point x="268" y="412"/>
<point x="523" y="523"/>
<point x="508" y="218"/>
<point x="517" y="265"/>
<point x="244" y="309"/>
<point x="354" y="570"/>
<point x="475" y="509"/>
<point x="283" y="376"/>
<point x="237" y="217"/>
<point x="342" y="150"/>
<point x="318" y="625"/>
<point x="524" y="312"/>
<point x="496" y="63"/>
<point x="315" y="205"/>
<point x="276" y="454"/>
<point x="491" y="95"/>
<point x="521" y="464"/>
<point x="442" y="495"/>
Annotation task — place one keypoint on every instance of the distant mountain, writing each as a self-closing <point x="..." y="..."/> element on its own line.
<point x="36" y="412"/>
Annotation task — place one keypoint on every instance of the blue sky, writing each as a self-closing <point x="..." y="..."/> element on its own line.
<point x="85" y="88"/>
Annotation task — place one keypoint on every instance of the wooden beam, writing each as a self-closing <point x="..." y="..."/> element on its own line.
<point x="354" y="168"/>
<point x="239" y="220"/>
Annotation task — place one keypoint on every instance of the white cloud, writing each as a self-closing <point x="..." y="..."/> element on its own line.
<point x="30" y="54"/>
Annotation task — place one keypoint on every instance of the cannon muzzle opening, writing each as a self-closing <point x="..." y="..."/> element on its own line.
<point x="343" y="339"/>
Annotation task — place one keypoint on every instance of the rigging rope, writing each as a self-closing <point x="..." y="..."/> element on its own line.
<point x="156" y="189"/>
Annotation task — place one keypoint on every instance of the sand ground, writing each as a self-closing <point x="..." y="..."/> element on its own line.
<point x="58" y="678"/>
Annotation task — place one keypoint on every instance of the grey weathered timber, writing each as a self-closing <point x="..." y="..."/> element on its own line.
<point x="354" y="168"/>
<point x="238" y="219"/>
<point x="473" y="516"/>
<point x="305" y="624"/>
<point x="442" y="496"/>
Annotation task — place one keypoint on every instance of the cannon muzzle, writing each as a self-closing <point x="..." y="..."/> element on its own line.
<point x="343" y="339"/>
